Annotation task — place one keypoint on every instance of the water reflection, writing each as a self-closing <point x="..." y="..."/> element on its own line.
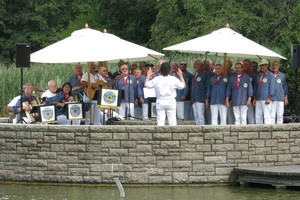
<point x="42" y="192"/>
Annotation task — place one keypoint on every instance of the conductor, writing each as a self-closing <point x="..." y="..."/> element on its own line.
<point x="165" y="88"/>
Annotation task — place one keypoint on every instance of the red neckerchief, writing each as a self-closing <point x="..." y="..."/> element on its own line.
<point x="247" y="72"/>
<point x="218" y="78"/>
<point x="138" y="79"/>
<point x="238" y="80"/>
<point x="124" y="80"/>
<point x="79" y="76"/>
<point x="195" y="77"/>
<point x="184" y="71"/>
<point x="276" y="73"/>
<point x="104" y="78"/>
<point x="67" y="97"/>
<point x="159" y="72"/>
<point x="261" y="77"/>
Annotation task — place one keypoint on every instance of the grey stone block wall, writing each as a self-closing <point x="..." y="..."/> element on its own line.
<point x="142" y="154"/>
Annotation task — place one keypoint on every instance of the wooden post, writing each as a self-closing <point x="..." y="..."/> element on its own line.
<point x="225" y="70"/>
<point x="89" y="93"/>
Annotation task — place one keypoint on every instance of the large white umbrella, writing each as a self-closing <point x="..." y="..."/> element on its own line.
<point x="225" y="42"/>
<point x="88" y="45"/>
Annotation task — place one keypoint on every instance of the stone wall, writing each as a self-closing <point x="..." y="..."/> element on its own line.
<point x="142" y="154"/>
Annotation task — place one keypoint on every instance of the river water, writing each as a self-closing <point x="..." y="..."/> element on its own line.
<point x="46" y="192"/>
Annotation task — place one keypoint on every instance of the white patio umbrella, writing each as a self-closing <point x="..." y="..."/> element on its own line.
<point x="88" y="45"/>
<point x="225" y="42"/>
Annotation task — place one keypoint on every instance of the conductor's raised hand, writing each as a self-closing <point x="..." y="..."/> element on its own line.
<point x="179" y="72"/>
<point x="149" y="72"/>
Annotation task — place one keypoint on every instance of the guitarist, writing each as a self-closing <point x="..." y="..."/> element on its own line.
<point x="94" y="78"/>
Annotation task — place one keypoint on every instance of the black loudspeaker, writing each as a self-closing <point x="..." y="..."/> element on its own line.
<point x="295" y="53"/>
<point x="23" y="55"/>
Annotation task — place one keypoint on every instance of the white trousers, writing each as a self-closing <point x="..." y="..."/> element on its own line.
<point x="217" y="109"/>
<point x="145" y="111"/>
<point x="180" y="109"/>
<point x="277" y="110"/>
<point x="240" y="114"/>
<point x="124" y="106"/>
<point x="251" y="114"/>
<point x="199" y="110"/>
<point x="262" y="112"/>
<point x="166" y="107"/>
<point x="62" y="119"/>
<point x="96" y="114"/>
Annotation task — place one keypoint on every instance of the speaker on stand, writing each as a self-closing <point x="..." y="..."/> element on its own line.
<point x="295" y="64"/>
<point x="22" y="61"/>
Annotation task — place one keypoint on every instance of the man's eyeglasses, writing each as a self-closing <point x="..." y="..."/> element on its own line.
<point x="124" y="69"/>
<point x="183" y="64"/>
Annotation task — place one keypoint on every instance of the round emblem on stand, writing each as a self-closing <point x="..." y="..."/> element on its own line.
<point x="47" y="114"/>
<point x="198" y="79"/>
<point x="75" y="111"/>
<point x="278" y="80"/>
<point x="265" y="80"/>
<point x="245" y="85"/>
<point x="225" y="80"/>
<point x="109" y="97"/>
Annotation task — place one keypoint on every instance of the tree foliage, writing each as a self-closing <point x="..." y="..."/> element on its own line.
<point x="153" y="23"/>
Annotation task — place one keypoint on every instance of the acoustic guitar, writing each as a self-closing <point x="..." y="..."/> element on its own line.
<point x="90" y="92"/>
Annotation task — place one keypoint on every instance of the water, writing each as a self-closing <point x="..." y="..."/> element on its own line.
<point x="43" y="192"/>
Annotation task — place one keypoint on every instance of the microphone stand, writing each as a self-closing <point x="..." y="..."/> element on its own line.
<point x="21" y="120"/>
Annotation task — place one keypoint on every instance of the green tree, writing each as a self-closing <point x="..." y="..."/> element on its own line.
<point x="128" y="19"/>
<point x="34" y="21"/>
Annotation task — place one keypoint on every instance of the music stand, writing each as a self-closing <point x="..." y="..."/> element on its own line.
<point x="108" y="99"/>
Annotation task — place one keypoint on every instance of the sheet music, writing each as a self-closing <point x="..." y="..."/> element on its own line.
<point x="149" y="92"/>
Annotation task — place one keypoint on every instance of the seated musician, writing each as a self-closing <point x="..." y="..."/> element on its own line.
<point x="27" y="98"/>
<point x="10" y="107"/>
<point x="51" y="92"/>
<point x="63" y="96"/>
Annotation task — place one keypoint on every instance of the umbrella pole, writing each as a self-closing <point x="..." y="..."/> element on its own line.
<point x="89" y="89"/>
<point x="225" y="64"/>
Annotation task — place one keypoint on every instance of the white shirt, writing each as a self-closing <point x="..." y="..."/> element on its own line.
<point x="165" y="86"/>
<point x="48" y="94"/>
<point x="14" y="101"/>
<point x="93" y="78"/>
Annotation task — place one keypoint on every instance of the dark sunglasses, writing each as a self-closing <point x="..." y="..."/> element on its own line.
<point x="183" y="64"/>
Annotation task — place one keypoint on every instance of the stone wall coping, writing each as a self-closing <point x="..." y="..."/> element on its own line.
<point x="148" y="129"/>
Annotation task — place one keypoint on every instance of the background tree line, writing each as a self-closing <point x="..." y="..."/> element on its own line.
<point x="152" y="23"/>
